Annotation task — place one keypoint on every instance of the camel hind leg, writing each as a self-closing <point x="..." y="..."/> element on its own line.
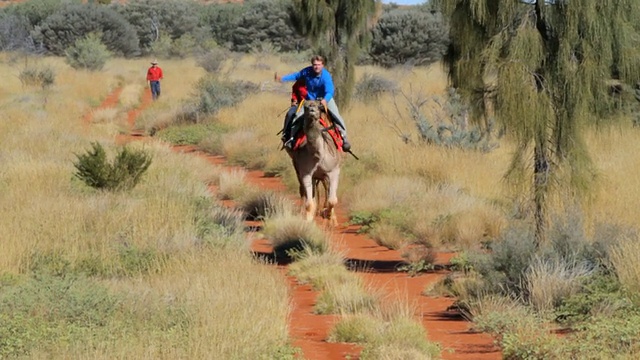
<point x="324" y="195"/>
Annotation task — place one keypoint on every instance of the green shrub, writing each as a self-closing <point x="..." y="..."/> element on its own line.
<point x="35" y="76"/>
<point x="15" y="33"/>
<point x="213" y="60"/>
<point x="161" y="48"/>
<point x="88" y="53"/>
<point x="608" y="337"/>
<point x="531" y="343"/>
<point x="371" y="86"/>
<point x="409" y="36"/>
<point x="214" y="94"/>
<point x="124" y="173"/>
<point x="75" y="21"/>
<point x="165" y="20"/>
<point x="599" y="293"/>
<point x="265" y="22"/>
<point x="448" y="124"/>
<point x="183" y="46"/>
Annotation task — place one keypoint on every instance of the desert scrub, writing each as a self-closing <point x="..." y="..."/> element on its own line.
<point x="189" y="134"/>
<point x="320" y="270"/>
<point x="123" y="173"/>
<point x="264" y="204"/>
<point x="345" y="298"/>
<point x="42" y="312"/>
<point x="386" y="334"/>
<point x="289" y="234"/>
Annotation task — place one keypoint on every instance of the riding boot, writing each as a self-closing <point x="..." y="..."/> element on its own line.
<point x="346" y="146"/>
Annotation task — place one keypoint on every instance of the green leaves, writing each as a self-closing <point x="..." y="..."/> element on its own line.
<point x="124" y="173"/>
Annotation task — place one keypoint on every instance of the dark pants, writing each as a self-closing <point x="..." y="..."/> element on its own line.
<point x="288" y="119"/>
<point x="155" y="89"/>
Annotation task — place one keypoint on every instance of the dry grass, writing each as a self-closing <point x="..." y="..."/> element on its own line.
<point x="289" y="232"/>
<point x="222" y="301"/>
<point x="551" y="281"/>
<point x="625" y="258"/>
<point x="106" y="115"/>
<point x="232" y="185"/>
<point x="391" y="331"/>
<point x="131" y="95"/>
<point x="320" y="270"/>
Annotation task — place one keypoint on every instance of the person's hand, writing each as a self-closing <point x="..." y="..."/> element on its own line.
<point x="277" y="78"/>
<point x="324" y="103"/>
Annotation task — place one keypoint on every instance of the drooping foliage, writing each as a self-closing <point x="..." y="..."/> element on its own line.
<point x="543" y="67"/>
<point x="338" y="28"/>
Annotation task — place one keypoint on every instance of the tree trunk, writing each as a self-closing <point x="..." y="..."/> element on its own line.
<point x="541" y="170"/>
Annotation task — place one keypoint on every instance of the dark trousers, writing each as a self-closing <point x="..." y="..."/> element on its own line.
<point x="288" y="119"/>
<point x="155" y="89"/>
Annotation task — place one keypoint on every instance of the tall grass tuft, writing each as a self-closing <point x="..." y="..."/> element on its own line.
<point x="290" y="234"/>
<point x="390" y="331"/>
<point x="345" y="298"/>
<point x="550" y="281"/>
<point x="625" y="258"/>
<point x="265" y="204"/>
<point x="320" y="270"/>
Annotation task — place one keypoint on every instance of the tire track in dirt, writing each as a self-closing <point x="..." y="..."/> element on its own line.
<point x="308" y="330"/>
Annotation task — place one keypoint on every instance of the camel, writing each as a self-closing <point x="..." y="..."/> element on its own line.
<point x="317" y="161"/>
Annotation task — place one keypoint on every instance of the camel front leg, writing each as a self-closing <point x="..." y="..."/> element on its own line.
<point x="306" y="183"/>
<point x="332" y="198"/>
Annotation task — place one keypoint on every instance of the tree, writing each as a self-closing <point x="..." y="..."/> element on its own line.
<point x="168" y="19"/>
<point x="71" y="22"/>
<point x="263" y="22"/>
<point x="548" y="63"/>
<point x="409" y="35"/>
<point x="339" y="28"/>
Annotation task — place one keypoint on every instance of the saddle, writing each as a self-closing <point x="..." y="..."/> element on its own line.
<point x="329" y="126"/>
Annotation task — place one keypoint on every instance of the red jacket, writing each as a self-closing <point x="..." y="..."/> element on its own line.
<point x="154" y="73"/>
<point x="298" y="91"/>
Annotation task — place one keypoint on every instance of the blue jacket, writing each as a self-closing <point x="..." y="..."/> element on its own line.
<point x="318" y="86"/>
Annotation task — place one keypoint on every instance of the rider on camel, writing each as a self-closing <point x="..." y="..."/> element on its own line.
<point x="319" y="87"/>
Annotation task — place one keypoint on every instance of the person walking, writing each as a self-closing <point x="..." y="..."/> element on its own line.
<point x="154" y="75"/>
<point x="319" y="86"/>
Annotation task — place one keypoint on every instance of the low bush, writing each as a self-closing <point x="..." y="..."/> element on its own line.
<point x="371" y="86"/>
<point x="213" y="60"/>
<point x="124" y="173"/>
<point x="213" y="94"/>
<point x="43" y="77"/>
<point x="88" y="53"/>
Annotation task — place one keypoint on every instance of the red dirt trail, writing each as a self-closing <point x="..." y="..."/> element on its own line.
<point x="308" y="330"/>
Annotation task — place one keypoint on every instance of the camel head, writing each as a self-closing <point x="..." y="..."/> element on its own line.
<point x="313" y="109"/>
